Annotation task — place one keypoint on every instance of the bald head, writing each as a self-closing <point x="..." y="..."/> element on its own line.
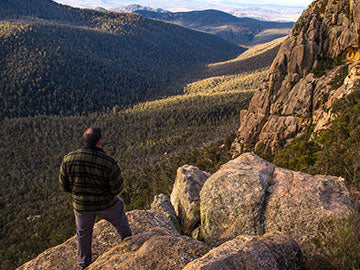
<point x="91" y="136"/>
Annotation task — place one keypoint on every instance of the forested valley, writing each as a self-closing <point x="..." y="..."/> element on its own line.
<point x="163" y="95"/>
<point x="57" y="60"/>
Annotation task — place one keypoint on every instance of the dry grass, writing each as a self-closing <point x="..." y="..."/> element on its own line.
<point x="243" y="73"/>
<point x="252" y="52"/>
<point x="256" y="58"/>
<point x="241" y="82"/>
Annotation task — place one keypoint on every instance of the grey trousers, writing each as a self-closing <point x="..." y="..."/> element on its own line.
<point x="85" y="223"/>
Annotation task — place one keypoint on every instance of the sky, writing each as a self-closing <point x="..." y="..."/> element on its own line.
<point x="184" y="3"/>
<point x="286" y="10"/>
<point x="288" y="3"/>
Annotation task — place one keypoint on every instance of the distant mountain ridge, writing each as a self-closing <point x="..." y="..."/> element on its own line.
<point x="211" y="17"/>
<point x="235" y="29"/>
<point x="61" y="60"/>
<point x="279" y="11"/>
<point x="135" y="7"/>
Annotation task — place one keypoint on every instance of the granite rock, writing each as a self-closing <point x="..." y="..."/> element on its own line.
<point x="269" y="252"/>
<point x="292" y="97"/>
<point x="185" y="196"/>
<point x="233" y="199"/>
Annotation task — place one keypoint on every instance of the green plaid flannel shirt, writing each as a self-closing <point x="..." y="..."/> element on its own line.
<point x="92" y="177"/>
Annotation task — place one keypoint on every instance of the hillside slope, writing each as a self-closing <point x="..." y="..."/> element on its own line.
<point x="224" y="25"/>
<point x="246" y="71"/>
<point x="60" y="60"/>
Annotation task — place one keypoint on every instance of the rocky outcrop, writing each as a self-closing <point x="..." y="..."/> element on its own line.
<point x="249" y="195"/>
<point x="185" y="196"/>
<point x="162" y="204"/>
<point x="64" y="256"/>
<point x="305" y="206"/>
<point x="298" y="89"/>
<point x="247" y="198"/>
<point x="105" y="237"/>
<point x="269" y="252"/>
<point x="141" y="221"/>
<point x="233" y="199"/>
<point x="155" y="244"/>
<point x="151" y="250"/>
<point x="353" y="79"/>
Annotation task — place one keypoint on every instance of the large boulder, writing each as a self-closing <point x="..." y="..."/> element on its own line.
<point x="251" y="196"/>
<point x="185" y="196"/>
<point x="305" y="206"/>
<point x="269" y="252"/>
<point x="233" y="199"/>
<point x="141" y="220"/>
<point x="64" y="255"/>
<point x="105" y="237"/>
<point x="151" y="250"/>
<point x="162" y="205"/>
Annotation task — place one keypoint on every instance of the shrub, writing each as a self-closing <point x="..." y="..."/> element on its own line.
<point x="342" y="247"/>
<point x="335" y="151"/>
<point x="326" y="64"/>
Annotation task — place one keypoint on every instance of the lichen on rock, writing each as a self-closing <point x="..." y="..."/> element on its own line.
<point x="162" y="205"/>
<point x="269" y="252"/>
<point x="185" y="196"/>
<point x="151" y="250"/>
<point x="251" y="196"/>
<point x="304" y="206"/>
<point x="233" y="199"/>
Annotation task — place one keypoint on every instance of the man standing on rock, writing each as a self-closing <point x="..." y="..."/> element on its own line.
<point x="94" y="179"/>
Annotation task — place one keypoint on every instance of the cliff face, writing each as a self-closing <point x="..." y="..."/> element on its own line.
<point x="303" y="81"/>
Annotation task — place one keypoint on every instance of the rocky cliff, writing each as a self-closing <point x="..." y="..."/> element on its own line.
<point x="250" y="215"/>
<point x="306" y="77"/>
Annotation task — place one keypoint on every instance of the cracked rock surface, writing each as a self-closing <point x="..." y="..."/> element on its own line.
<point x="292" y="97"/>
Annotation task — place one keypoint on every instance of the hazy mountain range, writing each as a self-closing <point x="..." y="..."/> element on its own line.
<point x="135" y="7"/>
<point x="279" y="12"/>
<point x="243" y="31"/>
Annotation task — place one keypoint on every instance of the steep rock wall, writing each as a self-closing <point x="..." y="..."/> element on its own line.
<point x="298" y="87"/>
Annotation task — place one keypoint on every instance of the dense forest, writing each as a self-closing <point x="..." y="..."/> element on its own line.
<point x="61" y="60"/>
<point x="256" y="58"/>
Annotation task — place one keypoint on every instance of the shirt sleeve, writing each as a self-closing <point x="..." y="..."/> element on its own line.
<point x="64" y="179"/>
<point x="115" y="180"/>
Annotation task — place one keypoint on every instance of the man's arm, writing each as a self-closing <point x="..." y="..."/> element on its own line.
<point x="64" y="179"/>
<point x="115" y="180"/>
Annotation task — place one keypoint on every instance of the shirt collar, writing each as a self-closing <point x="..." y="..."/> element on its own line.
<point x="93" y="148"/>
